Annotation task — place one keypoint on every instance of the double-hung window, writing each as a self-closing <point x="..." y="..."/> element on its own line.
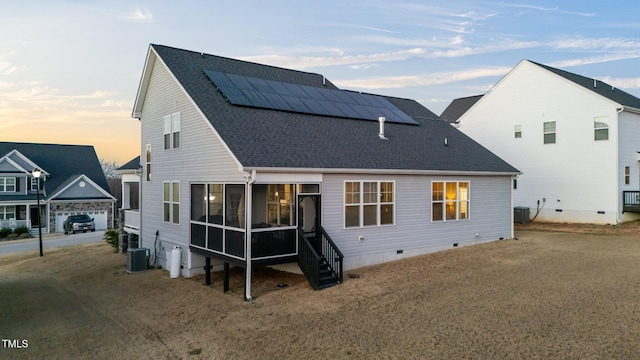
<point x="8" y="184"/>
<point x="368" y="203"/>
<point x="171" y="202"/>
<point x="7" y="212"/>
<point x="517" y="131"/>
<point x="449" y="200"/>
<point x="601" y="128"/>
<point x="148" y="162"/>
<point x="549" y="132"/>
<point x="171" y="131"/>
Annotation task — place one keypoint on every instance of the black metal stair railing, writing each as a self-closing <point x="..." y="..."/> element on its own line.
<point x="331" y="254"/>
<point x="313" y="264"/>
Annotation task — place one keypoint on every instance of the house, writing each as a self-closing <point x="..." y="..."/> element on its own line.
<point x="72" y="182"/>
<point x="130" y="179"/>
<point x="458" y="107"/>
<point x="247" y="164"/>
<point x="574" y="138"/>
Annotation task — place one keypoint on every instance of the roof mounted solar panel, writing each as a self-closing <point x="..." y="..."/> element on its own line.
<point x="277" y="95"/>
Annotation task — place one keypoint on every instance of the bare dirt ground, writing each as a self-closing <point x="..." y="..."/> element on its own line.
<point x="559" y="291"/>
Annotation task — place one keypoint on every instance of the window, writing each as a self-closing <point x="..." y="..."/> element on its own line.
<point x="171" y="202"/>
<point x="148" y="162"/>
<point x="8" y="184"/>
<point x="368" y="203"/>
<point x="34" y="184"/>
<point x="7" y="212"/>
<point x="218" y="218"/>
<point x="549" y="131"/>
<point x="449" y="200"/>
<point x="281" y="207"/>
<point x="517" y="131"/>
<point x="627" y="175"/>
<point x="171" y="131"/>
<point x="601" y="128"/>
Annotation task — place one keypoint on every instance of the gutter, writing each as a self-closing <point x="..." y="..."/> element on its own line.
<point x="378" y="171"/>
<point x="628" y="109"/>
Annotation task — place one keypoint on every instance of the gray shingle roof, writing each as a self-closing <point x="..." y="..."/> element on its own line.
<point x="263" y="138"/>
<point x="601" y="88"/>
<point x="61" y="161"/>
<point x="458" y="107"/>
<point x="133" y="164"/>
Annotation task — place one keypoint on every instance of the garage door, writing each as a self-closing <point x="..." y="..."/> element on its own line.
<point x="99" y="217"/>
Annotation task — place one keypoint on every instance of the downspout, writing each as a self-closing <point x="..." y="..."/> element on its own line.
<point x="618" y="192"/>
<point x="513" y="234"/>
<point x="250" y="178"/>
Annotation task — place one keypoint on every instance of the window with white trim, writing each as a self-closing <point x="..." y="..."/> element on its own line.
<point x="148" y="162"/>
<point x="8" y="184"/>
<point x="449" y="200"/>
<point x="627" y="175"/>
<point x="171" y="131"/>
<point x="7" y="212"/>
<point x="601" y="128"/>
<point x="549" y="132"/>
<point x="369" y="203"/>
<point x="517" y="130"/>
<point x="171" y="202"/>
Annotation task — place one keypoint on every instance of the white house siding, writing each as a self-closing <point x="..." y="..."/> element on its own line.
<point x="414" y="233"/>
<point x="575" y="178"/>
<point x="201" y="158"/>
<point x="629" y="146"/>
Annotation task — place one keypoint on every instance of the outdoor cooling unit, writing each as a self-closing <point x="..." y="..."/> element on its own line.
<point x="137" y="260"/>
<point x="521" y="214"/>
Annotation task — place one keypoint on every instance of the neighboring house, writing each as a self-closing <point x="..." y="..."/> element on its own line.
<point x="458" y="107"/>
<point x="72" y="182"/>
<point x="248" y="164"/>
<point x="130" y="178"/>
<point x="574" y="138"/>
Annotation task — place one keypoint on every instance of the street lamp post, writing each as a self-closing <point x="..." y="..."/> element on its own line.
<point x="36" y="174"/>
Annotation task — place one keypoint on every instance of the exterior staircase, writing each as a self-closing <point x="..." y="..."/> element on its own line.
<point x="34" y="231"/>
<point x="319" y="259"/>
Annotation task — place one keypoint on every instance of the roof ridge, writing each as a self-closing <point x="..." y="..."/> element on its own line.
<point x="599" y="87"/>
<point x="202" y="53"/>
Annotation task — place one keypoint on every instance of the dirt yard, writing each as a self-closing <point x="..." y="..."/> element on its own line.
<point x="550" y="294"/>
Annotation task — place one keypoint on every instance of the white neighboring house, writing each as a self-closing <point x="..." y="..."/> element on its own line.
<point x="246" y="164"/>
<point x="575" y="139"/>
<point x="130" y="179"/>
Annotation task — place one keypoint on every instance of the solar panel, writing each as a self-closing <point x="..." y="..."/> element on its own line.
<point x="278" y="95"/>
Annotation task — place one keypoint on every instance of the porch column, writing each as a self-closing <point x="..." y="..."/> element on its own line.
<point x="247" y="238"/>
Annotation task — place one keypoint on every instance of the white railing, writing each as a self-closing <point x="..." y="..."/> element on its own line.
<point x="12" y="224"/>
<point x="132" y="219"/>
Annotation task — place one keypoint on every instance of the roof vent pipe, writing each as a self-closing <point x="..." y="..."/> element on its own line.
<point x="382" y="119"/>
<point x="595" y="84"/>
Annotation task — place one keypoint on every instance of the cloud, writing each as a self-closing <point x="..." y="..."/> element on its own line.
<point x="594" y="43"/>
<point x="355" y="26"/>
<point x="551" y="9"/>
<point x="595" y="59"/>
<point x="139" y="15"/>
<point x="7" y="68"/>
<point x="450" y="51"/>
<point x="394" y="82"/>
<point x="355" y="67"/>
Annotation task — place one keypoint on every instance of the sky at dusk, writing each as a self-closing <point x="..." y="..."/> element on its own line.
<point x="70" y="70"/>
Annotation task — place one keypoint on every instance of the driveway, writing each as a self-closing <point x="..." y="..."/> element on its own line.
<point x="49" y="241"/>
